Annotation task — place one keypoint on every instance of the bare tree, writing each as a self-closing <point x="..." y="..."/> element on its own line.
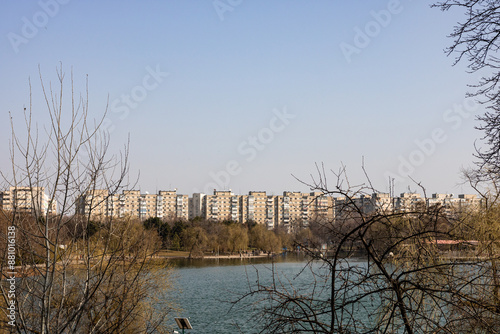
<point x="476" y="41"/>
<point x="75" y="273"/>
<point x="385" y="272"/>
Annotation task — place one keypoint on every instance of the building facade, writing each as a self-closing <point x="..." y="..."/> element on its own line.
<point x="132" y="203"/>
<point x="27" y="200"/>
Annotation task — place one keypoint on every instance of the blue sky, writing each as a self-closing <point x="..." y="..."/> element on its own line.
<point x="241" y="95"/>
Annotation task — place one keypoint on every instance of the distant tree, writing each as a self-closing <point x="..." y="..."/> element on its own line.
<point x="305" y="237"/>
<point x="285" y="238"/>
<point x="232" y="238"/>
<point x="178" y="227"/>
<point x="162" y="228"/>
<point x="196" y="219"/>
<point x="176" y="235"/>
<point x="176" y="242"/>
<point x="195" y="240"/>
<point x="228" y="222"/>
<point x="250" y="223"/>
<point x="264" y="239"/>
<point x="152" y="223"/>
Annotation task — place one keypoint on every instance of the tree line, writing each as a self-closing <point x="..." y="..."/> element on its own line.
<point x="202" y="237"/>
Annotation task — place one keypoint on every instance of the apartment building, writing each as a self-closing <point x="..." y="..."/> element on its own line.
<point x="27" y="200"/>
<point x="270" y="212"/>
<point x="321" y="207"/>
<point x="257" y="207"/>
<point x="133" y="203"/>
<point x="94" y="201"/>
<point x="170" y="205"/>
<point x="292" y="208"/>
<point x="453" y="205"/>
<point x="182" y="207"/>
<point x="222" y="205"/>
<point x="261" y="208"/>
<point x="408" y="202"/>
<point x="467" y="201"/>
<point x="195" y="206"/>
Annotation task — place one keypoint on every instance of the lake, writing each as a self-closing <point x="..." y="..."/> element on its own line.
<point x="363" y="302"/>
<point x="208" y="286"/>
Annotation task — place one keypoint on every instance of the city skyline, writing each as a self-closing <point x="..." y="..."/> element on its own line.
<point x="168" y="204"/>
<point x="244" y="95"/>
<point x="286" y="210"/>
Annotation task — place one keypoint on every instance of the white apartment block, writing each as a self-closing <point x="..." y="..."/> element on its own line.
<point x="27" y="200"/>
<point x="195" y="206"/>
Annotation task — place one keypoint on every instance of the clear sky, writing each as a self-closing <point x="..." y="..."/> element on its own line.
<point x="243" y="94"/>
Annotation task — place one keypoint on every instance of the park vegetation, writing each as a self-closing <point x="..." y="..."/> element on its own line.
<point x="201" y="237"/>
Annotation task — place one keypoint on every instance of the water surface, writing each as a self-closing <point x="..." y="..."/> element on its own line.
<point x="208" y="286"/>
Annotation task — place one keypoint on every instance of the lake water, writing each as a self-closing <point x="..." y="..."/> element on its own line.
<point x="208" y="286"/>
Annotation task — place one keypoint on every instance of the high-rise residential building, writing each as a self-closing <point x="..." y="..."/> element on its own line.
<point x="292" y="209"/>
<point x="222" y="205"/>
<point x="165" y="204"/>
<point x="408" y="202"/>
<point x="443" y="200"/>
<point x="382" y="203"/>
<point x="27" y="200"/>
<point x="257" y="207"/>
<point x="94" y="201"/>
<point x="182" y="208"/>
<point x="321" y="207"/>
<point x="452" y="205"/>
<point x="170" y="205"/>
<point x="270" y="211"/>
<point x="466" y="201"/>
<point x="131" y="204"/>
<point x="235" y="208"/>
<point x="261" y="208"/>
<point x="196" y="207"/>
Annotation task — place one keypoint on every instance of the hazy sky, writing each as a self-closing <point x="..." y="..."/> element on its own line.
<point x="243" y="94"/>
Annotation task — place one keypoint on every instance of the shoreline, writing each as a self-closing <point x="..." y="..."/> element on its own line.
<point x="239" y="256"/>
<point x="218" y="257"/>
